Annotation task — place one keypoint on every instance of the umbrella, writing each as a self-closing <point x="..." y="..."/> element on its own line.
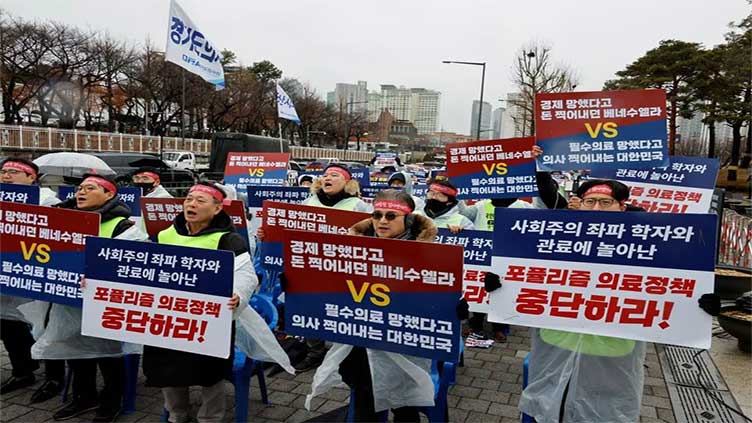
<point x="72" y="164"/>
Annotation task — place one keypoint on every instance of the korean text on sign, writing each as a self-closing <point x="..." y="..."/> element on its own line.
<point x="685" y="186"/>
<point x="243" y="169"/>
<point x="281" y="216"/>
<point x="370" y="292"/>
<point x="493" y="169"/>
<point x="477" y="250"/>
<point x="601" y="130"/>
<point x="617" y="274"/>
<point x="42" y="251"/>
<point x="159" y="295"/>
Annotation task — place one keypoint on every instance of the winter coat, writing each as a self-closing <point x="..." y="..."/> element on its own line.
<point x="398" y="380"/>
<point x="165" y="367"/>
<point x="451" y="217"/>
<point x="350" y="201"/>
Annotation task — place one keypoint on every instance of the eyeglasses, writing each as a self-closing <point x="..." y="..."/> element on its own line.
<point x="88" y="188"/>
<point x="604" y="203"/>
<point x="377" y="215"/>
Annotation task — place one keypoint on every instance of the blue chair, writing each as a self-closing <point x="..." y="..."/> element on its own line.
<point x="132" y="362"/>
<point x="525" y="363"/>
<point x="244" y="368"/>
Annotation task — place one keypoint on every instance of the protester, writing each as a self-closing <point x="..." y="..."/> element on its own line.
<point x="335" y="189"/>
<point x="62" y="337"/>
<point x="150" y="182"/>
<point x="203" y="224"/>
<point x="404" y="181"/>
<point x="383" y="380"/>
<point x="442" y="206"/>
<point x="305" y="180"/>
<point x="15" y="331"/>
<point x="576" y="377"/>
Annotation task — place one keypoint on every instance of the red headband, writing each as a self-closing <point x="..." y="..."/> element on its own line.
<point x="151" y="175"/>
<point x="392" y="205"/>
<point x="341" y="171"/>
<point x="20" y="166"/>
<point x="599" y="189"/>
<point x="104" y="183"/>
<point x="443" y="189"/>
<point x="214" y="192"/>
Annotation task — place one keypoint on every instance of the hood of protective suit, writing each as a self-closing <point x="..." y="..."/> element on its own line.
<point x="408" y="188"/>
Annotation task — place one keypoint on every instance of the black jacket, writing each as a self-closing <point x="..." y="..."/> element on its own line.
<point x="164" y="367"/>
<point x="110" y="210"/>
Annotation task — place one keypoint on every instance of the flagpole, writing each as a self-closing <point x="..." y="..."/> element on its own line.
<point x="279" y="123"/>
<point x="182" y="107"/>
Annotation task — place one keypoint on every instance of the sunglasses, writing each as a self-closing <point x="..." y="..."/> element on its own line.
<point x="377" y="215"/>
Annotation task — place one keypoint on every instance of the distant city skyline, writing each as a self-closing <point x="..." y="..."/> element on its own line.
<point x="405" y="42"/>
<point x="420" y="106"/>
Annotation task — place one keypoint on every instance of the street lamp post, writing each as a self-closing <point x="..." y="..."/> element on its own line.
<point x="482" y="84"/>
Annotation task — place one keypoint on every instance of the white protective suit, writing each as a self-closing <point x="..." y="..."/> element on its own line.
<point x="252" y="334"/>
<point x="8" y="303"/>
<point x="603" y="378"/>
<point x="61" y="339"/>
<point x="398" y="380"/>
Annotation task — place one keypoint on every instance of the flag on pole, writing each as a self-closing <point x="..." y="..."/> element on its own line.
<point x="285" y="107"/>
<point x="188" y="48"/>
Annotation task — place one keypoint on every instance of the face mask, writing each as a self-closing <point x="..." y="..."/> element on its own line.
<point x="146" y="187"/>
<point x="435" y="205"/>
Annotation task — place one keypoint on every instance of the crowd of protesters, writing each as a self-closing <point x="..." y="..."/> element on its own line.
<point x="574" y="377"/>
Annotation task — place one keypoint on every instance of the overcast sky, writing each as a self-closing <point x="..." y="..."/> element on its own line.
<point x="403" y="42"/>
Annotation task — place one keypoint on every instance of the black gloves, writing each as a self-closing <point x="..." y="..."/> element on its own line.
<point x="710" y="303"/>
<point x="463" y="309"/>
<point x="491" y="282"/>
<point x="283" y="282"/>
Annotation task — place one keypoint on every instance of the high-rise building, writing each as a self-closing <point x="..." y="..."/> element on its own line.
<point x="516" y="120"/>
<point x="485" y="120"/>
<point x="349" y="97"/>
<point x="397" y="101"/>
<point x="497" y="124"/>
<point x="424" y="110"/>
<point x="419" y="106"/>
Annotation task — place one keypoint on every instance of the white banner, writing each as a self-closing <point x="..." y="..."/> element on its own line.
<point x="643" y="303"/>
<point x="658" y="198"/>
<point x="188" y="48"/>
<point x="166" y="318"/>
<point x="285" y="107"/>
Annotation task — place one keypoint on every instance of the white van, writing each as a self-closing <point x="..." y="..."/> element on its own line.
<point x="184" y="160"/>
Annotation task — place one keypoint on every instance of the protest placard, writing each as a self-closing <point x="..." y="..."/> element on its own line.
<point x="621" y="274"/>
<point x="493" y="169"/>
<point x="242" y="169"/>
<point x="42" y="251"/>
<point x="391" y="295"/>
<point x="159" y="295"/>
<point x="18" y="193"/>
<point x="160" y="213"/>
<point x="280" y="216"/>
<point x="131" y="196"/>
<point x="685" y="186"/>
<point x="601" y="130"/>
<point x="477" y="249"/>
<point x="257" y="194"/>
